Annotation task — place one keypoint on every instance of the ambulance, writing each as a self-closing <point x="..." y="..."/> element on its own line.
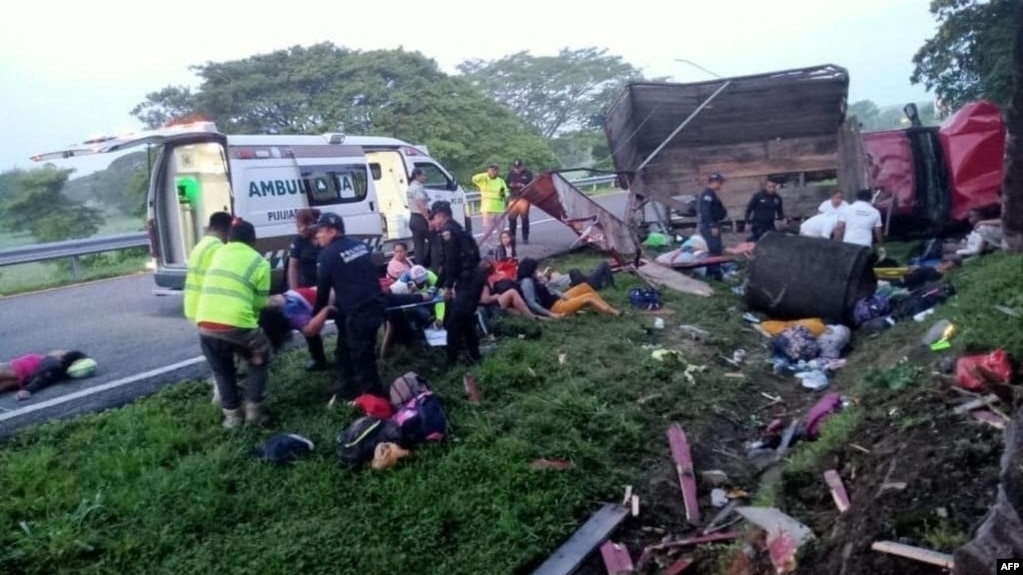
<point x="264" y="179"/>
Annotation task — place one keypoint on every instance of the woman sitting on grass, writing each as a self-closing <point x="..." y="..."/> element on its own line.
<point x="549" y="302"/>
<point x="507" y="298"/>
<point x="31" y="372"/>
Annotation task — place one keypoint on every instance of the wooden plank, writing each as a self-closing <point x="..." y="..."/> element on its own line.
<point x="573" y="552"/>
<point x="852" y="165"/>
<point x="989" y="418"/>
<point x="616" y="558"/>
<point x="683" y="459"/>
<point x="694" y="541"/>
<point x="679" y="566"/>
<point x="667" y="277"/>
<point x="915" y="553"/>
<point x="975" y="404"/>
<point x="838" y="492"/>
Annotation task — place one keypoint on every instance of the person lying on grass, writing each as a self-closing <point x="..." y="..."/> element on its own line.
<point x="550" y="302"/>
<point x="505" y="297"/>
<point x="31" y="372"/>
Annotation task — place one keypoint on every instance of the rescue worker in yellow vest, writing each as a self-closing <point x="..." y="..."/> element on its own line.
<point x="236" y="287"/>
<point x="198" y="262"/>
<point x="493" y="192"/>
<point x="199" y="259"/>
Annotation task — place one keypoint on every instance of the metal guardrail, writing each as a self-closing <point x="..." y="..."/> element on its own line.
<point x="74" y="249"/>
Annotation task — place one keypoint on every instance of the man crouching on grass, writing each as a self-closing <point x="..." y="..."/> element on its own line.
<point x="235" y="288"/>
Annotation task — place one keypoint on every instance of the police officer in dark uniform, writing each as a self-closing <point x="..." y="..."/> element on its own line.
<point x="764" y="208"/>
<point x="460" y="276"/>
<point x="518" y="178"/>
<point x="346" y="266"/>
<point x="710" y="211"/>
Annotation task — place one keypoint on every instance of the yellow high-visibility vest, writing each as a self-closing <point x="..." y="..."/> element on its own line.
<point x="236" y="287"/>
<point x="492" y="192"/>
<point x="198" y="262"/>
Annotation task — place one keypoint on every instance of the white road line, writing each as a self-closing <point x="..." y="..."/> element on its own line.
<point x="102" y="387"/>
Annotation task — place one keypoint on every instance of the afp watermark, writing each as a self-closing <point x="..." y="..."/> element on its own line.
<point x="1010" y="566"/>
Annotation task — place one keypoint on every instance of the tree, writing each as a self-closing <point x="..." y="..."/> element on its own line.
<point x="38" y="205"/>
<point x="385" y="92"/>
<point x="122" y="186"/>
<point x="969" y="57"/>
<point x="553" y="94"/>
<point x="1012" y="186"/>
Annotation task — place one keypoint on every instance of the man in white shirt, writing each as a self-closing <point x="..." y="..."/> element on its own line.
<point x="819" y="226"/>
<point x="860" y="223"/>
<point x="834" y="205"/>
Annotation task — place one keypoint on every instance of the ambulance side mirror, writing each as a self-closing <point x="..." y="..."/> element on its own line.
<point x="452" y="186"/>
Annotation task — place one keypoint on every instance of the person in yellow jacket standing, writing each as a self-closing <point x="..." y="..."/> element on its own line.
<point x="198" y="262"/>
<point x="493" y="192"/>
<point x="235" y="288"/>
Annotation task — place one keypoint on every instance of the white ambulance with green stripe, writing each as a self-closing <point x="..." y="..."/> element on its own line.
<point x="197" y="170"/>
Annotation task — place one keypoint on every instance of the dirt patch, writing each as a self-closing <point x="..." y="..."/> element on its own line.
<point x="948" y="465"/>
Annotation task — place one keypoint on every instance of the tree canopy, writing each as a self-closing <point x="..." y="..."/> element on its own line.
<point x="34" y="201"/>
<point x="873" y="118"/>
<point x="382" y="92"/>
<point x="553" y="94"/>
<point x="970" y="56"/>
<point x="121" y="186"/>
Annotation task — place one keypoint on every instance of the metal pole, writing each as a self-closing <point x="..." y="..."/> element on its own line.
<point x="681" y="126"/>
<point x="76" y="268"/>
<point x="695" y="65"/>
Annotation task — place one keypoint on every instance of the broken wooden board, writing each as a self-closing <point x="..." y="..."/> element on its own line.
<point x="975" y="404"/>
<point x="694" y="541"/>
<point x="683" y="459"/>
<point x="915" y="553"/>
<point x="989" y="418"/>
<point x="567" y="558"/>
<point x="666" y="277"/>
<point x="838" y="492"/>
<point x="616" y="558"/>
<point x="679" y="567"/>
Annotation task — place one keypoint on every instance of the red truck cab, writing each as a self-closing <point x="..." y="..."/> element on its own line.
<point x="937" y="175"/>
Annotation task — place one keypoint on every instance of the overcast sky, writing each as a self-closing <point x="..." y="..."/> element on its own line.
<point x="70" y="70"/>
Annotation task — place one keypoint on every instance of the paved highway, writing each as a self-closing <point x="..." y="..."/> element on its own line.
<point x="134" y="335"/>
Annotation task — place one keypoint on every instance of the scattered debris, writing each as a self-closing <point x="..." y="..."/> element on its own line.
<point x="719" y="521"/>
<point x="557" y="464"/>
<point x="658" y="323"/>
<point x="786" y="439"/>
<point x="666" y="277"/>
<point x="975" y="404"/>
<point x="694" y="332"/>
<point x="628" y="495"/>
<point x="648" y="398"/>
<point x="679" y="566"/>
<point x="562" y="358"/>
<point x="332" y="402"/>
<point x="714" y="477"/>
<point x="684" y="466"/>
<point x="727" y="453"/>
<point x="531" y="372"/>
<point x="567" y="558"/>
<point x="616" y="558"/>
<point x="838" y="493"/>
<point x="693" y="541"/>
<point x="718" y="497"/>
<point x="635" y="505"/>
<point x="860" y="448"/>
<point x="976" y="371"/>
<point x="915" y="553"/>
<point x="989" y="417"/>
<point x="784" y="535"/>
<point x="737" y="375"/>
<point x="1007" y="311"/>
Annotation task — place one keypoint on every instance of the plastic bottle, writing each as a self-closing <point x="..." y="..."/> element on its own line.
<point x="936" y="333"/>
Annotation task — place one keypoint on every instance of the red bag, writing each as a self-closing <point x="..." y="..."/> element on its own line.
<point x="972" y="372"/>
<point x="374" y="406"/>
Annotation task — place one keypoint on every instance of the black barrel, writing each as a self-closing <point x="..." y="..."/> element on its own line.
<point x="796" y="277"/>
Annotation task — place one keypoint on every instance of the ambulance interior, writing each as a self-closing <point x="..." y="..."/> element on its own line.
<point x="391" y="181"/>
<point x="194" y="184"/>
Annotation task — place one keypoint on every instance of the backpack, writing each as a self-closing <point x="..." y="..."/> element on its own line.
<point x="357" y="444"/>
<point x="871" y="307"/>
<point x="421" y="419"/>
<point x="406" y="388"/>
<point x="648" y="299"/>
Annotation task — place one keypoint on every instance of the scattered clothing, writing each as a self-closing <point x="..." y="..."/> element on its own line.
<point x="834" y="339"/>
<point x="796" y="343"/>
<point x="815" y="326"/>
<point x="284" y="448"/>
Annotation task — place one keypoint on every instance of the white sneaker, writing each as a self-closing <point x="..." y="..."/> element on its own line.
<point x="232" y="418"/>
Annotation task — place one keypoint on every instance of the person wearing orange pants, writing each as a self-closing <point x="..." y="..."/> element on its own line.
<point x="548" y="302"/>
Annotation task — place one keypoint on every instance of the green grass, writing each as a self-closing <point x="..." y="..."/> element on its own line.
<point x="40" y="275"/>
<point x="159" y="487"/>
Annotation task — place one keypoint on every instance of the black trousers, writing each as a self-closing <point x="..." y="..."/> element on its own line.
<point x="522" y="212"/>
<point x="460" y="324"/>
<point x="355" y="355"/>
<point x="759" y="229"/>
<point x="600" y="276"/>
<point x="420" y="229"/>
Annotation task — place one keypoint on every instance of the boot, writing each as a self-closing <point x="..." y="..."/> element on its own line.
<point x="254" y="414"/>
<point x="232" y="418"/>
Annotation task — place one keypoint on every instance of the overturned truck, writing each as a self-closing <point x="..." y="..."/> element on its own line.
<point x="665" y="138"/>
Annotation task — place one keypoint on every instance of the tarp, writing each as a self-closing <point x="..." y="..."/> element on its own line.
<point x="973" y="141"/>
<point x="593" y="223"/>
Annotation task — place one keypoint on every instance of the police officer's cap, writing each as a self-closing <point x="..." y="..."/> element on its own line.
<point x="440" y="207"/>
<point x="517" y="163"/>
<point x="330" y="220"/>
<point x="715" y="177"/>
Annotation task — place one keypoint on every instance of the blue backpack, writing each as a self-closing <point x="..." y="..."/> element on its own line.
<point x="422" y="418"/>
<point x="648" y="299"/>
